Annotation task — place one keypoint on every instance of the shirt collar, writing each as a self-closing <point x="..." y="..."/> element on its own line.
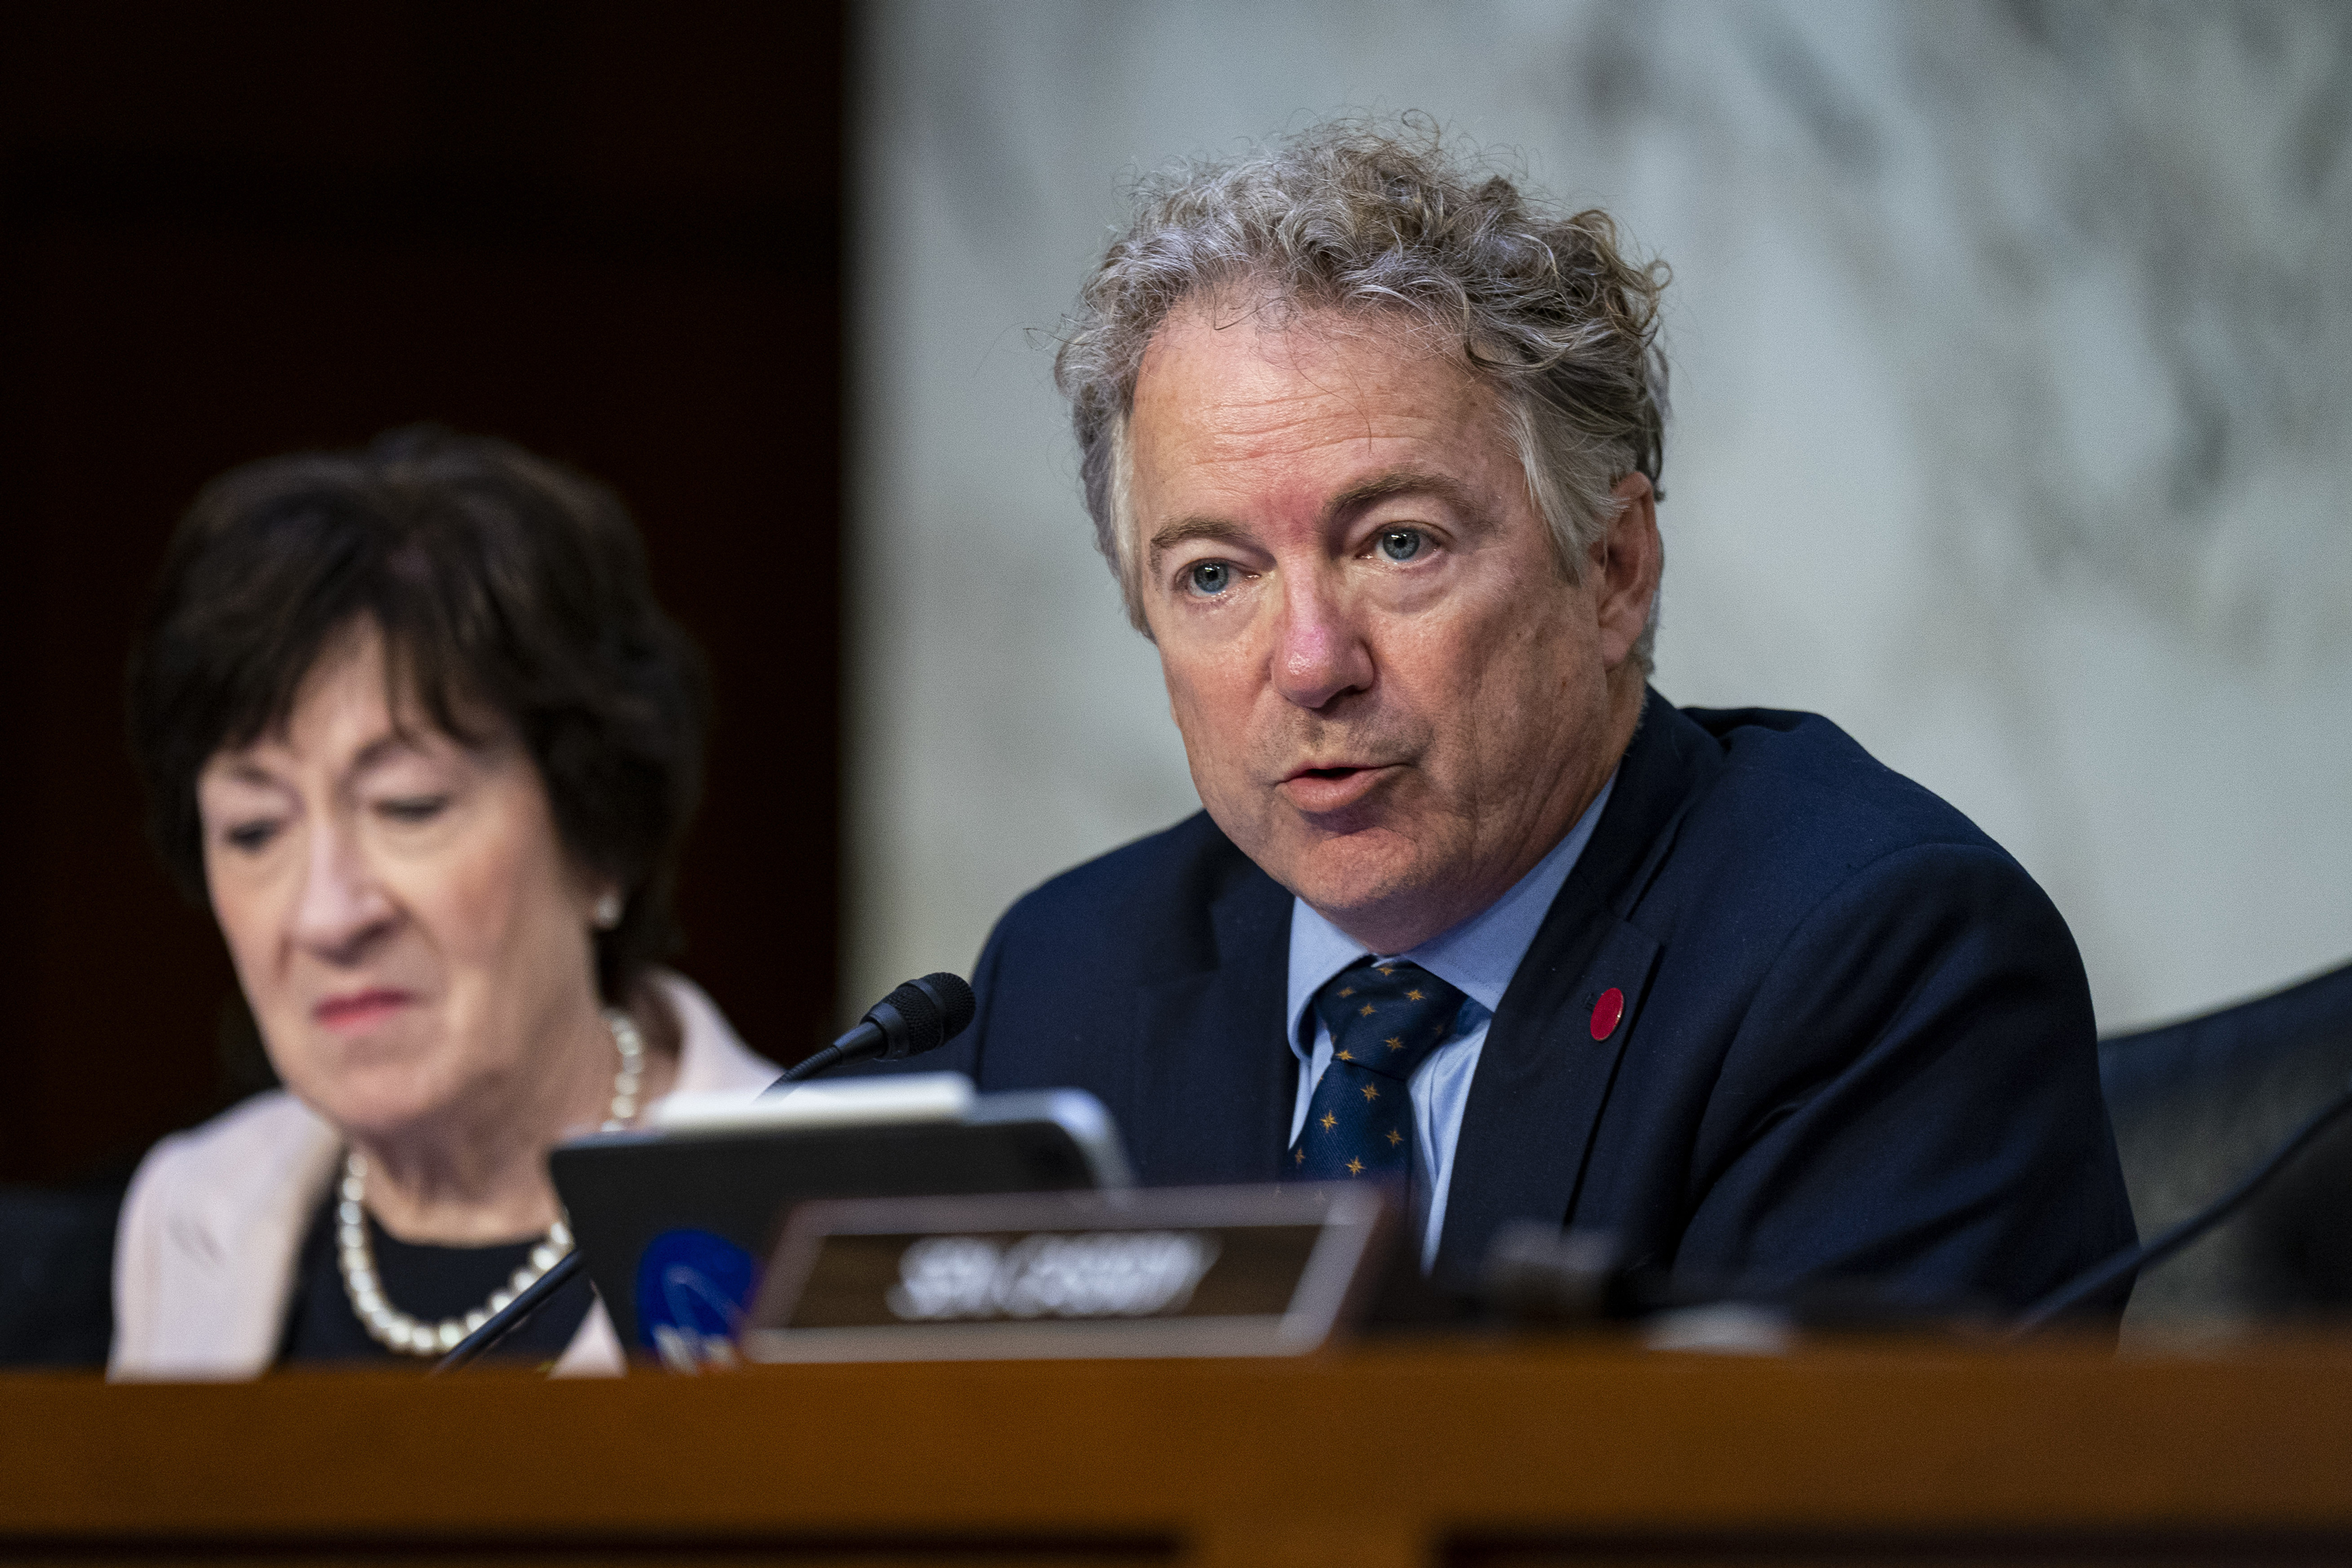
<point x="1478" y="956"/>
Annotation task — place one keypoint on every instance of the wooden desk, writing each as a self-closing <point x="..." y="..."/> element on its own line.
<point x="1518" y="1452"/>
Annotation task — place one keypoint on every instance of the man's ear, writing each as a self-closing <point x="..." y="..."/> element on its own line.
<point x="1623" y="568"/>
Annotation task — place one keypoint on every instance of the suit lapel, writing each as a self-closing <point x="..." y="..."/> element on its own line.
<point x="1215" y="1080"/>
<point x="1542" y="1078"/>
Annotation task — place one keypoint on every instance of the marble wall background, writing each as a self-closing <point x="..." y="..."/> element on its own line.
<point x="2014" y="420"/>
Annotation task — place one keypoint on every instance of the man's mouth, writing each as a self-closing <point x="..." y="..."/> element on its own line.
<point x="1332" y="787"/>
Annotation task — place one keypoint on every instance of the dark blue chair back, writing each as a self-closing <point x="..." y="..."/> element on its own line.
<point x="57" y="1265"/>
<point x="2199" y="1103"/>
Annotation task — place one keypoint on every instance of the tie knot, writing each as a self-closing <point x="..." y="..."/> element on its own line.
<point x="1387" y="1017"/>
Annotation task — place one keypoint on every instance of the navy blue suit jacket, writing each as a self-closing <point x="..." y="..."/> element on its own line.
<point x="1857" y="1040"/>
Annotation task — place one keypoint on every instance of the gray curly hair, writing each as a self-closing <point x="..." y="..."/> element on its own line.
<point x="1355" y="216"/>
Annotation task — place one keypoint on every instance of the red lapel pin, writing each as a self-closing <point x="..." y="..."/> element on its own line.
<point x="1606" y="1012"/>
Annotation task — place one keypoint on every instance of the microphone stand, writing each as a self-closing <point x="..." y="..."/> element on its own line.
<point x="514" y="1314"/>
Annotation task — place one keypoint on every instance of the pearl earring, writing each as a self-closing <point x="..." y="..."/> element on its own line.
<point x="608" y="911"/>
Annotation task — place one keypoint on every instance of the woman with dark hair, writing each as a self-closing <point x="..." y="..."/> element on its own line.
<point x="412" y="724"/>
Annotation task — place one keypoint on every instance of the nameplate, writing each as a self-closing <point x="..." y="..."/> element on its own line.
<point x="1201" y="1271"/>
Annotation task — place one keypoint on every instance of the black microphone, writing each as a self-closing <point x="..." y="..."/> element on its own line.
<point x="2132" y="1259"/>
<point x="920" y="1015"/>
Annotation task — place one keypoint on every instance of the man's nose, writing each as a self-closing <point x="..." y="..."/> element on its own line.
<point x="1320" y="652"/>
<point x="342" y="904"/>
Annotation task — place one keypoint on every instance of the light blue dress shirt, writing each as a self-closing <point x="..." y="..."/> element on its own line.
<point x="1478" y="958"/>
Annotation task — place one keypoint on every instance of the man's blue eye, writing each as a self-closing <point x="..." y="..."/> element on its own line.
<point x="1401" y="543"/>
<point x="1212" y="577"/>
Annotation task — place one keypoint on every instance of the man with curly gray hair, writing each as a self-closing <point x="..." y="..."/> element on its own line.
<point x="1372" y="438"/>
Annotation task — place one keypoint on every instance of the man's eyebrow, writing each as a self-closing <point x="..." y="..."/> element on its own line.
<point x="1403" y="483"/>
<point x="1190" y="528"/>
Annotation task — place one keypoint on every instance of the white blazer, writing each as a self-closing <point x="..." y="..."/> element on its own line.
<point x="204" y="1251"/>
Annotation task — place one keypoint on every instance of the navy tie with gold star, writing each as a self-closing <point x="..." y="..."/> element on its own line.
<point x="1385" y="1019"/>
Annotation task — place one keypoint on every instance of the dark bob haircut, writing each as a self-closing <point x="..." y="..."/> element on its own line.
<point x="499" y="581"/>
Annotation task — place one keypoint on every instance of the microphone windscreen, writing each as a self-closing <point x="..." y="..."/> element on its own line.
<point x="956" y="1000"/>
<point x="937" y="1008"/>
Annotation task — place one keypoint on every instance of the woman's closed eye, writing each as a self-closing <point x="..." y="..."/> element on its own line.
<point x="411" y="808"/>
<point x="252" y="836"/>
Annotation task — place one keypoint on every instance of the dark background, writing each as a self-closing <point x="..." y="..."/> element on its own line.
<point x="609" y="231"/>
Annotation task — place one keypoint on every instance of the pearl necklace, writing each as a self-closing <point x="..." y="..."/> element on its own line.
<point x="388" y="1324"/>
